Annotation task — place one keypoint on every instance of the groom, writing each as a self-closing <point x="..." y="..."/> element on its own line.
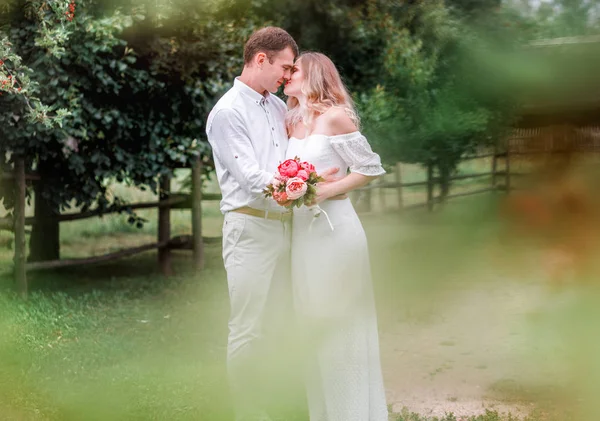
<point x="246" y="130"/>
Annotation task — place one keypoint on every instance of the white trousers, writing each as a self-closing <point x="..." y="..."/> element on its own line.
<point x="256" y="254"/>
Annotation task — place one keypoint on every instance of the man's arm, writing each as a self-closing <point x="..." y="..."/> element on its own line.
<point x="231" y="145"/>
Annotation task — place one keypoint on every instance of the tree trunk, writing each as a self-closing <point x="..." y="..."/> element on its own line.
<point x="164" y="227"/>
<point x="445" y="173"/>
<point x="19" y="226"/>
<point x="44" y="243"/>
<point x="430" y="187"/>
<point x="198" y="244"/>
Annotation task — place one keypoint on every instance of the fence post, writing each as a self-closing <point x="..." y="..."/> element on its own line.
<point x="164" y="227"/>
<point x="399" y="183"/>
<point x="494" y="165"/>
<point x="44" y="241"/>
<point x="507" y="175"/>
<point x="382" y="204"/>
<point x="367" y="199"/>
<point x="430" y="186"/>
<point x="198" y="244"/>
<point x="20" y="258"/>
<point x="361" y="199"/>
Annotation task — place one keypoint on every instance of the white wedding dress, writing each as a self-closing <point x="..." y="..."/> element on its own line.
<point x="333" y="293"/>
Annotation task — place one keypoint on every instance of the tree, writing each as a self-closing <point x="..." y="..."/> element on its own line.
<point x="332" y="27"/>
<point x="576" y="17"/>
<point x="434" y="105"/>
<point x="138" y="90"/>
<point x="474" y="11"/>
<point x="15" y="81"/>
<point x="19" y="90"/>
<point x="562" y="18"/>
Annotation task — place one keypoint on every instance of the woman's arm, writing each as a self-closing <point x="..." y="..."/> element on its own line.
<point x="336" y="123"/>
<point x="343" y="186"/>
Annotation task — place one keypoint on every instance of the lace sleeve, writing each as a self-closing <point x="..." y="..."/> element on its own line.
<point x="357" y="153"/>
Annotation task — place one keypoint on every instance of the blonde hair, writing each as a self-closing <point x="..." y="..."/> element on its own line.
<point x="323" y="89"/>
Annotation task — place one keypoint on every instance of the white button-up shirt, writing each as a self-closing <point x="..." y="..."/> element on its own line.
<point x="247" y="133"/>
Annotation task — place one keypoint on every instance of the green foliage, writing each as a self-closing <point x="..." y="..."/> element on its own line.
<point x="440" y="98"/>
<point x="15" y="81"/>
<point x="455" y="72"/>
<point x="336" y="28"/>
<point x="560" y="18"/>
<point x="119" y="341"/>
<point x="138" y="88"/>
<point x="15" y="77"/>
<point x="554" y="18"/>
<point x="103" y="89"/>
<point x="119" y="346"/>
<point x="406" y="415"/>
<point x="473" y="8"/>
<point x="53" y="18"/>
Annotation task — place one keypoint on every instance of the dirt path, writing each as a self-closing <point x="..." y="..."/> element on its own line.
<point x="465" y="353"/>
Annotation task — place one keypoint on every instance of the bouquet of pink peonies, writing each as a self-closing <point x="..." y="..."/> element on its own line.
<point x="294" y="183"/>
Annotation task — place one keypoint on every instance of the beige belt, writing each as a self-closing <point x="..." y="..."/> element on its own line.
<point x="276" y="216"/>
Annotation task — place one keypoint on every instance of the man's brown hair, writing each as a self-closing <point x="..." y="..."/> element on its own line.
<point x="269" y="40"/>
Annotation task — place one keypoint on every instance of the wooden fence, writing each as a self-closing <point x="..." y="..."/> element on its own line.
<point x="495" y="174"/>
<point x="165" y="243"/>
<point x="168" y="201"/>
<point x="522" y="142"/>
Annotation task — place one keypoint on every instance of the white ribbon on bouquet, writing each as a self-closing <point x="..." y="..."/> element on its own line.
<point x="317" y="211"/>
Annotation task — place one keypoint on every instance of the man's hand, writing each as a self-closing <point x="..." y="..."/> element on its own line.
<point x="330" y="175"/>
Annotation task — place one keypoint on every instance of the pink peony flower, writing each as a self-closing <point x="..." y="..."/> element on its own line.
<point x="280" y="177"/>
<point x="303" y="175"/>
<point x="288" y="168"/>
<point x="308" y="167"/>
<point x="280" y="197"/>
<point x="276" y="182"/>
<point x="295" y="188"/>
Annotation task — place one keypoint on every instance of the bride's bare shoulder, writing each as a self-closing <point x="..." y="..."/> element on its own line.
<point x="337" y="121"/>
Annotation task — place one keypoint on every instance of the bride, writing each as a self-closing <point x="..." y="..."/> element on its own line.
<point x="333" y="293"/>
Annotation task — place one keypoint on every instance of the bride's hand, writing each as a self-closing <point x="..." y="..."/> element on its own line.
<point x="325" y="191"/>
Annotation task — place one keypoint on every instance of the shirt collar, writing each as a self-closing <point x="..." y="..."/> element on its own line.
<point x="246" y="90"/>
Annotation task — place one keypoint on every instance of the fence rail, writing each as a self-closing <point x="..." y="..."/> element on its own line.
<point x="426" y="182"/>
<point x="195" y="242"/>
<point x="170" y="201"/>
<point x="486" y="155"/>
<point x="11" y="177"/>
<point x="495" y="174"/>
<point x="165" y="244"/>
<point x="177" y="201"/>
<point x="523" y="142"/>
<point x="181" y="242"/>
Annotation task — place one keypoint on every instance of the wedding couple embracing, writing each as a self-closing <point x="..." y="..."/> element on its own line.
<point x="276" y="259"/>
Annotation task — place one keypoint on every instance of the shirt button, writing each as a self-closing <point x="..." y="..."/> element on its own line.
<point x="272" y="128"/>
<point x="277" y="144"/>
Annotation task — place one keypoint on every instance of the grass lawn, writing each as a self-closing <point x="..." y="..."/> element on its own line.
<point x="119" y="342"/>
